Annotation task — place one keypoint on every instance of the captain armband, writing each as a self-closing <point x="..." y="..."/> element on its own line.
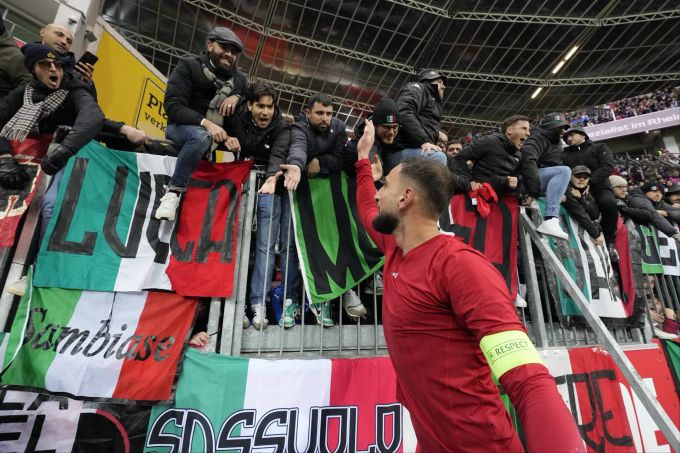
<point x="507" y="350"/>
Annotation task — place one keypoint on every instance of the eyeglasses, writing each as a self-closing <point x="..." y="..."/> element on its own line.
<point x="582" y="176"/>
<point x="47" y="64"/>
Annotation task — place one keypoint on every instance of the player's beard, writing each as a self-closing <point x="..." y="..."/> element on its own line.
<point x="385" y="223"/>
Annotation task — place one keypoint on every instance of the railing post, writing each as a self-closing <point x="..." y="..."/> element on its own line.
<point x="533" y="293"/>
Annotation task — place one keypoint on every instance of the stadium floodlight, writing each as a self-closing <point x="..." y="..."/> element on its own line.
<point x="538" y="90"/>
<point x="571" y="53"/>
<point x="558" y="66"/>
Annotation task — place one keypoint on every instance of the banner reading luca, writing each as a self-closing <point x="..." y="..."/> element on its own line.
<point x="103" y="236"/>
<point x="335" y="251"/>
<point x="236" y="404"/>
<point x="98" y="345"/>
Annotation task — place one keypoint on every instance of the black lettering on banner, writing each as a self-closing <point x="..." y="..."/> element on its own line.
<point x="158" y="438"/>
<point x="10" y="419"/>
<point x="40" y="399"/>
<point x="159" y="247"/>
<point x="103" y="334"/>
<point x="262" y="439"/>
<point x="196" y="420"/>
<point x="382" y="413"/>
<point x="57" y="241"/>
<point x="672" y="259"/>
<point x="9" y="406"/>
<point x="207" y="245"/>
<point x="596" y="408"/>
<point x="342" y="414"/>
<point x="184" y="255"/>
<point x="225" y="440"/>
<point x="320" y="264"/>
<point x="353" y="425"/>
<point x="128" y="250"/>
<point x="31" y="326"/>
<point x="650" y="251"/>
<point x="35" y="436"/>
<point x="313" y="435"/>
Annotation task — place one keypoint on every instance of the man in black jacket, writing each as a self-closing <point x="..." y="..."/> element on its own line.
<point x="420" y="112"/>
<point x="259" y="131"/>
<point x="496" y="157"/>
<point x="201" y="92"/>
<point x="581" y="204"/>
<point x="317" y="144"/>
<point x="543" y="172"/>
<point x="385" y="118"/>
<point x="640" y="216"/>
<point x="598" y="158"/>
<point x="648" y="197"/>
<point x="48" y="101"/>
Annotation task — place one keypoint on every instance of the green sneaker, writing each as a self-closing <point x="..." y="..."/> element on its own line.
<point x="324" y="318"/>
<point x="289" y="312"/>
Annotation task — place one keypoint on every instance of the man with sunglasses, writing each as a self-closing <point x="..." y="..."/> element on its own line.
<point x="580" y="203"/>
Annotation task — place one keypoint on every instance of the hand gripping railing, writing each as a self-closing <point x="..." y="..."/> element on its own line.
<point x="662" y="420"/>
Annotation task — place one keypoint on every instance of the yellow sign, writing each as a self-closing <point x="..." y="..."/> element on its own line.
<point x="151" y="115"/>
<point x="127" y="89"/>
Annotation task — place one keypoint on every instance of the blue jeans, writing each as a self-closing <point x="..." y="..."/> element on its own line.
<point x="554" y="182"/>
<point x="195" y="142"/>
<point x="274" y="218"/>
<point x="392" y="159"/>
<point x="49" y="201"/>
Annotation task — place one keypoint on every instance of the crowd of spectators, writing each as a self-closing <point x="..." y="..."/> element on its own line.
<point x="667" y="98"/>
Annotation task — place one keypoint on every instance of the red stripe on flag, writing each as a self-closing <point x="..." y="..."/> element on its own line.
<point x="165" y="315"/>
<point x="201" y="230"/>
<point x="625" y="266"/>
<point x="363" y="383"/>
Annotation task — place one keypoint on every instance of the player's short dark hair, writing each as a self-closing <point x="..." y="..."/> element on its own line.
<point x="433" y="180"/>
<point x="509" y="121"/>
<point x="258" y="89"/>
<point x="321" y="98"/>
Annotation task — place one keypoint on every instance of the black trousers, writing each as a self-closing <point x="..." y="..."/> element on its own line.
<point x="610" y="214"/>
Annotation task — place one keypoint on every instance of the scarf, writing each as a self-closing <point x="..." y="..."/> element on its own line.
<point x="224" y="90"/>
<point x="482" y="197"/>
<point x="25" y="120"/>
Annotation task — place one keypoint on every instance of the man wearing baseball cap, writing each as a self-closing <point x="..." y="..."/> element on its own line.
<point x="420" y="115"/>
<point x="544" y="173"/>
<point x="201" y="91"/>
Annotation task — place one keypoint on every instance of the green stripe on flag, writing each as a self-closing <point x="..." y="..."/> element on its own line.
<point x="335" y="251"/>
<point x="213" y="382"/>
<point x="651" y="258"/>
<point x="23" y="327"/>
<point x="88" y="220"/>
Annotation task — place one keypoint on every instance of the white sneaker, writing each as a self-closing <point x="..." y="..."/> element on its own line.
<point x="260" y="321"/>
<point x="551" y="227"/>
<point x="18" y="288"/>
<point x="168" y="207"/>
<point x="352" y="305"/>
<point x="246" y="322"/>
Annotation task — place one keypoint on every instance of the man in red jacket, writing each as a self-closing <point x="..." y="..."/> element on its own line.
<point x="449" y="323"/>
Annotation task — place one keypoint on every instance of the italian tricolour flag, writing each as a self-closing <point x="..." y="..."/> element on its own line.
<point x="219" y="386"/>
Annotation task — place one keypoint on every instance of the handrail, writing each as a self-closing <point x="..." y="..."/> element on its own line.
<point x="634" y="379"/>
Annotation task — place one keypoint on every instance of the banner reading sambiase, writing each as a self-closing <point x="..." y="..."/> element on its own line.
<point x="334" y="248"/>
<point x="85" y="344"/>
<point x="103" y="235"/>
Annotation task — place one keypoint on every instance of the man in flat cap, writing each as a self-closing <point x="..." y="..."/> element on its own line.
<point x="201" y="91"/>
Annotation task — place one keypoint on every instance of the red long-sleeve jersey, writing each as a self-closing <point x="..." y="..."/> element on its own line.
<point x="439" y="301"/>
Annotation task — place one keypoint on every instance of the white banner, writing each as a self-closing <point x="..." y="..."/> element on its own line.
<point x="634" y="125"/>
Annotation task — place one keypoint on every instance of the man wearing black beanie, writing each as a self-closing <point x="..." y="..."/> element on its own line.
<point x="385" y="117"/>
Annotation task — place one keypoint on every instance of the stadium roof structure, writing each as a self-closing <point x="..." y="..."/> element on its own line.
<point x="496" y="54"/>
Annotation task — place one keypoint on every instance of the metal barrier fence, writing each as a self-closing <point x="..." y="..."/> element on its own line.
<point x="350" y="336"/>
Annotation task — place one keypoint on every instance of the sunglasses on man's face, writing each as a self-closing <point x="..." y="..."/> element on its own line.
<point x="46" y="64"/>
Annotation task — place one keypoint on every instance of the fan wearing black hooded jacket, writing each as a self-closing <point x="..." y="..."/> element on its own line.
<point x="648" y="198"/>
<point x="598" y="158"/>
<point x="581" y="204"/>
<point x="259" y="131"/>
